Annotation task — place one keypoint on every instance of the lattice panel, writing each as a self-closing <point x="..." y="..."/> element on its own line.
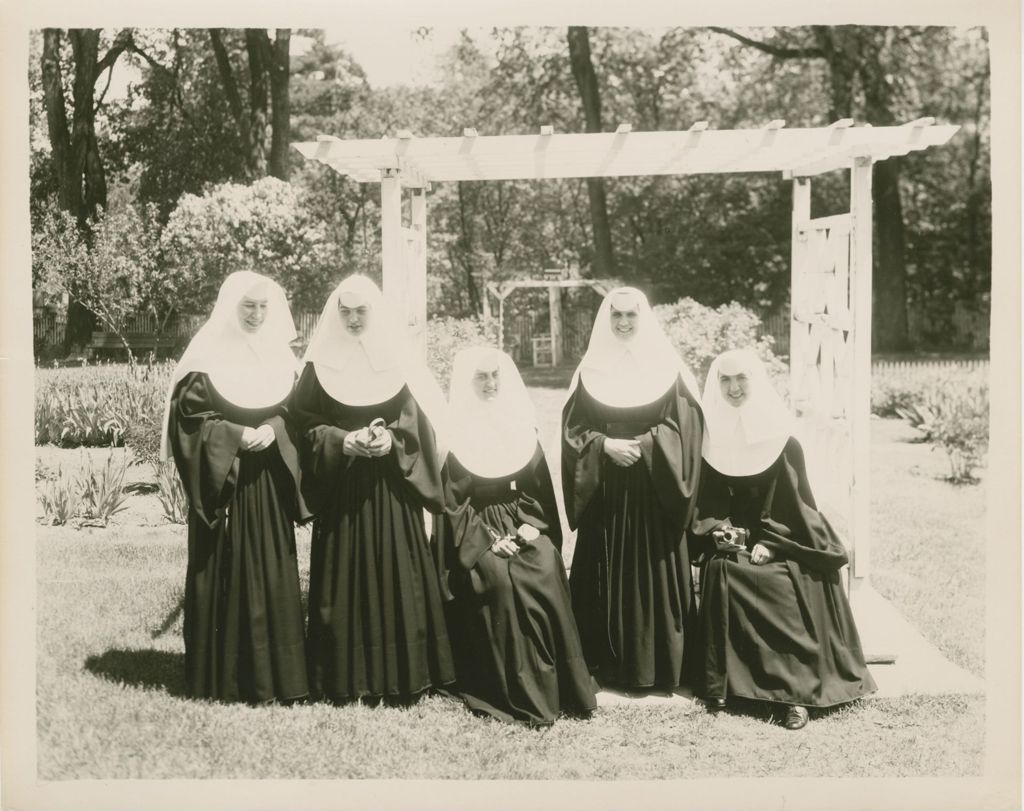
<point x="822" y="350"/>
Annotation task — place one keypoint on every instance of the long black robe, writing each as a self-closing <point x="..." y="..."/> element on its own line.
<point x="630" y="577"/>
<point x="376" y="616"/>
<point x="517" y="651"/>
<point x="779" y="631"/>
<point x="243" y="623"/>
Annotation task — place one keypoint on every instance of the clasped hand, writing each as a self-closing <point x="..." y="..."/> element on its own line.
<point x="362" y="443"/>
<point x="623" y="452"/>
<point x="257" y="439"/>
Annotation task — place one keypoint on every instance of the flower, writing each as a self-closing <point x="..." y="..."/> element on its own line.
<point x="528" y="533"/>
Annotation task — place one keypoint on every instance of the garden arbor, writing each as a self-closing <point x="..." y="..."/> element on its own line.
<point x="830" y="343"/>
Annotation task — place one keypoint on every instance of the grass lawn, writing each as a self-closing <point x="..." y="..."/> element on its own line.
<point x="110" y="661"/>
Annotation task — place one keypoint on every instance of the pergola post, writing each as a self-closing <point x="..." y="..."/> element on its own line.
<point x="797" y="248"/>
<point x="555" y="313"/>
<point x="416" y="269"/>
<point x="860" y="412"/>
<point x="391" y="239"/>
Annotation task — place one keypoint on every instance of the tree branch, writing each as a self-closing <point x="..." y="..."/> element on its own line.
<point x="777" y="51"/>
<point x="122" y="41"/>
<point x="228" y="80"/>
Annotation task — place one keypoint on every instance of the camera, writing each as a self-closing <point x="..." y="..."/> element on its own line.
<point x="734" y="535"/>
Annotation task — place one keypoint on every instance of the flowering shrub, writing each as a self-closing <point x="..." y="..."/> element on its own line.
<point x="701" y="333"/>
<point x="446" y="336"/>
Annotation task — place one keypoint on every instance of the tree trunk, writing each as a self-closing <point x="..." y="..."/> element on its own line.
<point x="68" y="190"/>
<point x="280" y="70"/>
<point x="586" y="82"/>
<point x="258" y="96"/>
<point x="889" y="313"/>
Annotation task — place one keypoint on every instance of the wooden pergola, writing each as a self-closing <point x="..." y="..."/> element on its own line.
<point x="830" y="329"/>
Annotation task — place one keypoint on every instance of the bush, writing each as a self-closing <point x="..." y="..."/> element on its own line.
<point x="701" y="333"/>
<point x="446" y="336"/>
<point x="60" y="499"/>
<point x="102" y="493"/>
<point x="953" y="415"/>
<point x="170" y="492"/>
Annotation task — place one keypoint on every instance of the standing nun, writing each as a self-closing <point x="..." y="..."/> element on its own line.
<point x="368" y="411"/>
<point x="518" y="654"/>
<point x="631" y="436"/>
<point x="776" y="622"/>
<point x="227" y="427"/>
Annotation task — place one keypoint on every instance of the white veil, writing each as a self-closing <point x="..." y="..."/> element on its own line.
<point x="373" y="367"/>
<point x="743" y="440"/>
<point x="250" y="370"/>
<point x="626" y="373"/>
<point x="491" y="438"/>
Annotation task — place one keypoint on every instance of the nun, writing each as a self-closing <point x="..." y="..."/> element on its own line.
<point x="631" y="452"/>
<point x="228" y="429"/>
<point x="776" y="623"/>
<point x="368" y="411"/>
<point x="517" y="651"/>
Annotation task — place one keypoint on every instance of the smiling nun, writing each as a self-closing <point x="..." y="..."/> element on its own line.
<point x="776" y="622"/>
<point x="631" y="450"/>
<point x="518" y="653"/>
<point x="368" y="411"/>
<point x="227" y="427"/>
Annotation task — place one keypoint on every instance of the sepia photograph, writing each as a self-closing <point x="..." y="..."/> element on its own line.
<point x="615" y="409"/>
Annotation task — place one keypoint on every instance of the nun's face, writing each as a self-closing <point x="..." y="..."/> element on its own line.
<point x="625" y="321"/>
<point x="252" y="311"/>
<point x="355" y="316"/>
<point x="735" y="388"/>
<point x="487" y="382"/>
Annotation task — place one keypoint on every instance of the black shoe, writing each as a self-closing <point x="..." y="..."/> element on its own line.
<point x="796" y="717"/>
<point x="714" y="704"/>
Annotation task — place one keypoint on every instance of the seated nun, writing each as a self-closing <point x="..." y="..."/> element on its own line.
<point x="517" y="651"/>
<point x="776" y="623"/>
<point x="368" y="411"/>
<point x="228" y="428"/>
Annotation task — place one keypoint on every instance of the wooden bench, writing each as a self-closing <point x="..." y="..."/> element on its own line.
<point x="138" y="341"/>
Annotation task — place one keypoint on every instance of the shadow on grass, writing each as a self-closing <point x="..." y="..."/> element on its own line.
<point x="149" y="669"/>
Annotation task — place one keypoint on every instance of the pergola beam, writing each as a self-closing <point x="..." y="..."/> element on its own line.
<point x="798" y="152"/>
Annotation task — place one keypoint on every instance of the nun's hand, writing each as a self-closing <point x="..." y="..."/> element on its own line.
<point x="380" y="446"/>
<point x="257" y="439"/>
<point x="761" y="554"/>
<point x="355" y="444"/>
<point x="505" y="547"/>
<point x="623" y="452"/>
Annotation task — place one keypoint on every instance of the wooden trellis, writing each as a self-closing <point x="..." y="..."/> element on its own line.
<point x="830" y="346"/>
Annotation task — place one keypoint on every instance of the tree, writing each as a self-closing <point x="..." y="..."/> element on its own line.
<point x="586" y="82"/>
<point x="111" y="266"/>
<point x="75" y="158"/>
<point x="860" y="57"/>
<point x="269" y="71"/>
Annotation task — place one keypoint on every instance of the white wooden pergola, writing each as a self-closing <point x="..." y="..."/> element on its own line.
<point x="830" y="343"/>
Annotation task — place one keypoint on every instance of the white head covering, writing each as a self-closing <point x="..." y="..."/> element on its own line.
<point x="747" y="439"/>
<point x="372" y="367"/>
<point x="635" y="371"/>
<point x="250" y="370"/>
<point x="491" y="438"/>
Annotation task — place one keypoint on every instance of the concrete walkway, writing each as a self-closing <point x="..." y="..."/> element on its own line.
<point x="918" y="669"/>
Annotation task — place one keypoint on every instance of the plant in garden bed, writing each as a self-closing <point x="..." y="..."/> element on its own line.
<point x="170" y="492"/>
<point x="102" y="492"/>
<point x="60" y="498"/>
<point x="953" y="415"/>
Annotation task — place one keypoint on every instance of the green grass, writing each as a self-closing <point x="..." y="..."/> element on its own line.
<point x="110" y="660"/>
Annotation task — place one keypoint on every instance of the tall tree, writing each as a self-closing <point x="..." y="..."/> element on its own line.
<point x="858" y="58"/>
<point x="586" y="82"/>
<point x="74" y="150"/>
<point x="268" y="73"/>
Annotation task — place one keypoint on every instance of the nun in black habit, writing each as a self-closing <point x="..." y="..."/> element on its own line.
<point x="228" y="429"/>
<point x="631" y="439"/>
<point x="517" y="651"/>
<point x="368" y="411"/>
<point x="775" y="620"/>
